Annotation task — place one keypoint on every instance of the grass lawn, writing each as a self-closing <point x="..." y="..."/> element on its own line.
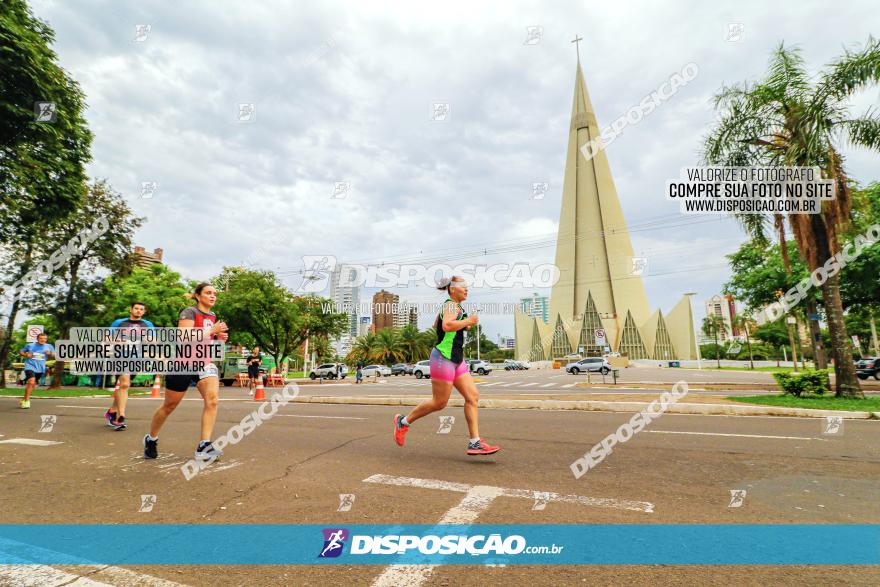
<point x="67" y="391"/>
<point x="869" y="404"/>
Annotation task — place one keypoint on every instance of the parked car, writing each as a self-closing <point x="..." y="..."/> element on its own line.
<point x="589" y="364"/>
<point x="868" y="367"/>
<point x="398" y="369"/>
<point x="409" y="368"/>
<point x="511" y="365"/>
<point x="329" y="371"/>
<point x="422" y="369"/>
<point x="376" y="370"/>
<point x="479" y="366"/>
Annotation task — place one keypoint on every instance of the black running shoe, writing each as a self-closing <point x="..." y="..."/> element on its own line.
<point x="207" y="452"/>
<point x="151" y="447"/>
<point x="119" y="423"/>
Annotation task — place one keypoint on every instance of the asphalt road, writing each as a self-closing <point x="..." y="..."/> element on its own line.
<point x="293" y="468"/>
<point x="555" y="382"/>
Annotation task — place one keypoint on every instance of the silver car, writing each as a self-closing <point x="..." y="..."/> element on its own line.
<point x="590" y="364"/>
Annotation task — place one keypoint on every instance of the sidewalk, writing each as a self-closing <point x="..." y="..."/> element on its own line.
<point x="706" y="405"/>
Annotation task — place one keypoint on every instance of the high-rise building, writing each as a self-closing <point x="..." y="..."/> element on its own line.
<point x="144" y="259"/>
<point x="346" y="298"/>
<point x="364" y="326"/>
<point x="723" y="307"/>
<point x="406" y="314"/>
<point x="600" y="290"/>
<point x="384" y="309"/>
<point x="536" y="306"/>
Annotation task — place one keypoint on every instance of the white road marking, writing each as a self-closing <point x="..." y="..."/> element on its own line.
<point x="476" y="500"/>
<point x="638" y="506"/>
<point x="567" y="385"/>
<point x="327" y="417"/>
<point x="491" y="384"/>
<point x="30" y="442"/>
<point x="34" y="575"/>
<point x="737" y="435"/>
<point x="120" y="576"/>
<point x="548" y="385"/>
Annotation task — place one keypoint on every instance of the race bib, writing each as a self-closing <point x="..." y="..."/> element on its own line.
<point x="39" y="356"/>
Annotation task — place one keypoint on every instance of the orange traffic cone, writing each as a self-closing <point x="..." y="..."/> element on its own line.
<point x="157" y="386"/>
<point x="260" y="394"/>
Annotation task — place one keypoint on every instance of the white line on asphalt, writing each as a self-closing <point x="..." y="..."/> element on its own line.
<point x="30" y="442"/>
<point x="120" y="576"/>
<point x="328" y="417"/>
<point x="548" y="384"/>
<point x="737" y="435"/>
<point x="491" y="384"/>
<point x="476" y="500"/>
<point x="638" y="506"/>
<point x="569" y="385"/>
<point x="29" y="575"/>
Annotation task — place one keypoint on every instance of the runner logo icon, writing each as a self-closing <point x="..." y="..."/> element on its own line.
<point x="334" y="541"/>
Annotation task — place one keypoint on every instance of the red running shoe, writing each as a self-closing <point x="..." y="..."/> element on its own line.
<point x="399" y="430"/>
<point x="481" y="447"/>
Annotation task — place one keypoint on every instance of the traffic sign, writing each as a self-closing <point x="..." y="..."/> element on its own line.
<point x="599" y="334"/>
<point x="33" y="331"/>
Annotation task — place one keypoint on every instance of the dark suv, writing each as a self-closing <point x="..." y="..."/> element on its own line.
<point x="868" y="367"/>
<point x="399" y="369"/>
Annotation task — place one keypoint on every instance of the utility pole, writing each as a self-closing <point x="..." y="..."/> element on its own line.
<point x="689" y="295"/>
<point x="478" y="341"/>
<point x="789" y="321"/>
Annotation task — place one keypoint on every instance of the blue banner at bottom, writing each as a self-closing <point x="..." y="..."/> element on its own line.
<point x="603" y="544"/>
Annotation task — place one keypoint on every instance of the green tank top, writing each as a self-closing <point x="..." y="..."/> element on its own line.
<point x="450" y="344"/>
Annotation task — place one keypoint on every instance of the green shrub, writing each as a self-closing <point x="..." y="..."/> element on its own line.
<point x="809" y="381"/>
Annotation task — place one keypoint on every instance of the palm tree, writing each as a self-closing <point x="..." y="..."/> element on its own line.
<point x="415" y="346"/>
<point x="711" y="325"/>
<point x="388" y="348"/>
<point x="791" y="119"/>
<point x="363" y="349"/>
<point x="746" y="322"/>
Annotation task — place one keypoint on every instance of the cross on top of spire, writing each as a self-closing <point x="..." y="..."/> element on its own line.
<point x="577" y="46"/>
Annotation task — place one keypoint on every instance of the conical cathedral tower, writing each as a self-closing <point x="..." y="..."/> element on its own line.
<point x="600" y="282"/>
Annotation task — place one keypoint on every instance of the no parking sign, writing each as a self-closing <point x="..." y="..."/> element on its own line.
<point x="599" y="333"/>
<point x="33" y="331"/>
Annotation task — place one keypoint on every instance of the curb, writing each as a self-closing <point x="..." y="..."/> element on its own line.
<point x="600" y="406"/>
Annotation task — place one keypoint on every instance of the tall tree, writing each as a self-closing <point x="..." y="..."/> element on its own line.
<point x="160" y="288"/>
<point x="745" y="323"/>
<point x="791" y="118"/>
<point x="44" y="146"/>
<point x="279" y="322"/>
<point x="44" y="141"/>
<point x="96" y="238"/>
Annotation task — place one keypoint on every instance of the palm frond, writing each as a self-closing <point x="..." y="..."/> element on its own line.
<point x="855" y="70"/>
<point x="864" y="131"/>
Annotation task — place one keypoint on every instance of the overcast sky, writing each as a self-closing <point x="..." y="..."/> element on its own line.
<point x="343" y="92"/>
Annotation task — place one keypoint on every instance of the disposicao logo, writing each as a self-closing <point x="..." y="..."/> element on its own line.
<point x="334" y="541"/>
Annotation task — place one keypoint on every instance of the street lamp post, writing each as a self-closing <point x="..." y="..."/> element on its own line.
<point x="689" y="295"/>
